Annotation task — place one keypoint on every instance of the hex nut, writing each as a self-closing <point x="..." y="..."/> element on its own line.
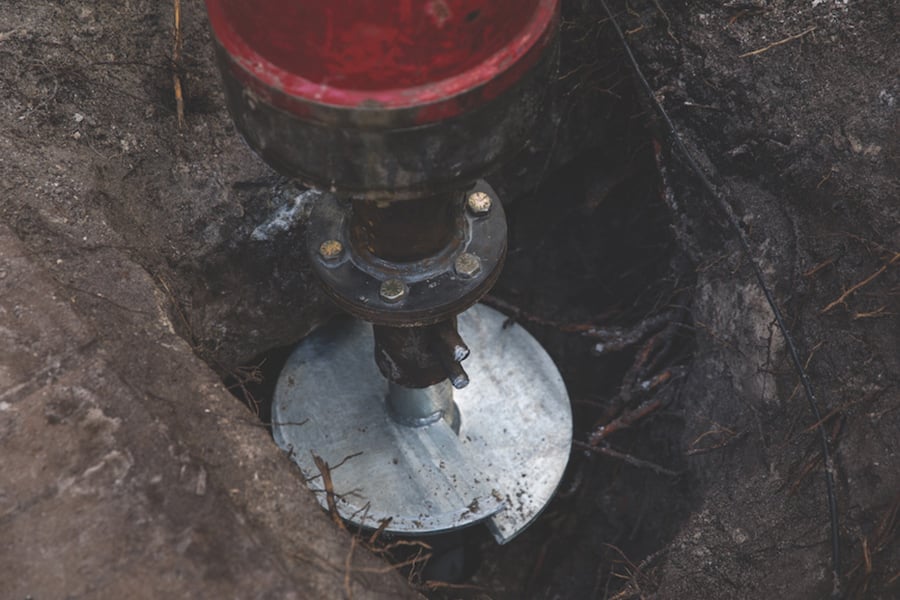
<point x="467" y="265"/>
<point x="478" y="203"/>
<point x="392" y="290"/>
<point x="331" y="250"/>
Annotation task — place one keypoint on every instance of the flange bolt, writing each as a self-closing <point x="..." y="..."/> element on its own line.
<point x="331" y="250"/>
<point x="392" y="290"/>
<point x="467" y="265"/>
<point x="478" y="203"/>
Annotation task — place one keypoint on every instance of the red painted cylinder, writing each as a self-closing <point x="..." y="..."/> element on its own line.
<point x="391" y="54"/>
<point x="385" y="99"/>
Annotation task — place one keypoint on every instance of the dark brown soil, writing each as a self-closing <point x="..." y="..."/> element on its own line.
<point x="142" y="263"/>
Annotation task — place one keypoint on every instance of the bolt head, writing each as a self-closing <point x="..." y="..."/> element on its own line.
<point x="331" y="250"/>
<point x="392" y="290"/>
<point x="467" y="265"/>
<point x="478" y="203"/>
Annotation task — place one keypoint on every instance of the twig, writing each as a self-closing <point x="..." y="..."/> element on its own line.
<point x="881" y="311"/>
<point x="243" y="376"/>
<point x="668" y="22"/>
<point x="417" y="559"/>
<point x="283" y="423"/>
<point x="422" y="546"/>
<point x="381" y="527"/>
<point x="825" y="178"/>
<point x="716" y="446"/>
<point x="624" y="421"/>
<point x="348" y="562"/>
<point x="882" y="538"/>
<point x="614" y="339"/>
<point x="842" y="408"/>
<point x="633" y="574"/>
<point x="725" y="435"/>
<point x="176" y="62"/>
<point x="631" y="460"/>
<point x="779" y="42"/>
<point x="807" y="468"/>
<point x="862" y="283"/>
<point x="329" y="490"/>
<point x="330" y="468"/>
<point x="806" y="364"/>
<point x="515" y="313"/>
<point x="819" y="267"/>
<point x="443" y="585"/>
<point x="793" y="352"/>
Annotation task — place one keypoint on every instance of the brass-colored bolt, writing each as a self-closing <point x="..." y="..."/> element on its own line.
<point x="331" y="250"/>
<point x="467" y="265"/>
<point x="392" y="290"/>
<point x="478" y="203"/>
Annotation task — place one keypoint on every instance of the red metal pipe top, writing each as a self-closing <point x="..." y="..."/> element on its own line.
<point x="383" y="53"/>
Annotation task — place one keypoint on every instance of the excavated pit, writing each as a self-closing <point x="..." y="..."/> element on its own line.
<point x="146" y="259"/>
<point x="591" y="247"/>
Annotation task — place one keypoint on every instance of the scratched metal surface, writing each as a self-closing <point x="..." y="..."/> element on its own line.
<point x="504" y="466"/>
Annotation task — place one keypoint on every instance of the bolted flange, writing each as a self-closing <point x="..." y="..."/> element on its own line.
<point x="438" y="285"/>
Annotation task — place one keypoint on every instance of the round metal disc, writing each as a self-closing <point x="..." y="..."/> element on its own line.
<point x="515" y="432"/>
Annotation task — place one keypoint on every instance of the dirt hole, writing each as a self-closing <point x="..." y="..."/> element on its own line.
<point x="592" y="260"/>
<point x="591" y="248"/>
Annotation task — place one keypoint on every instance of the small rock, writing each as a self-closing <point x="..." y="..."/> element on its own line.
<point x="872" y="150"/>
<point x="200" y="488"/>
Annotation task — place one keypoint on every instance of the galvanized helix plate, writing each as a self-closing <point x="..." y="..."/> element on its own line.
<point x="505" y="465"/>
